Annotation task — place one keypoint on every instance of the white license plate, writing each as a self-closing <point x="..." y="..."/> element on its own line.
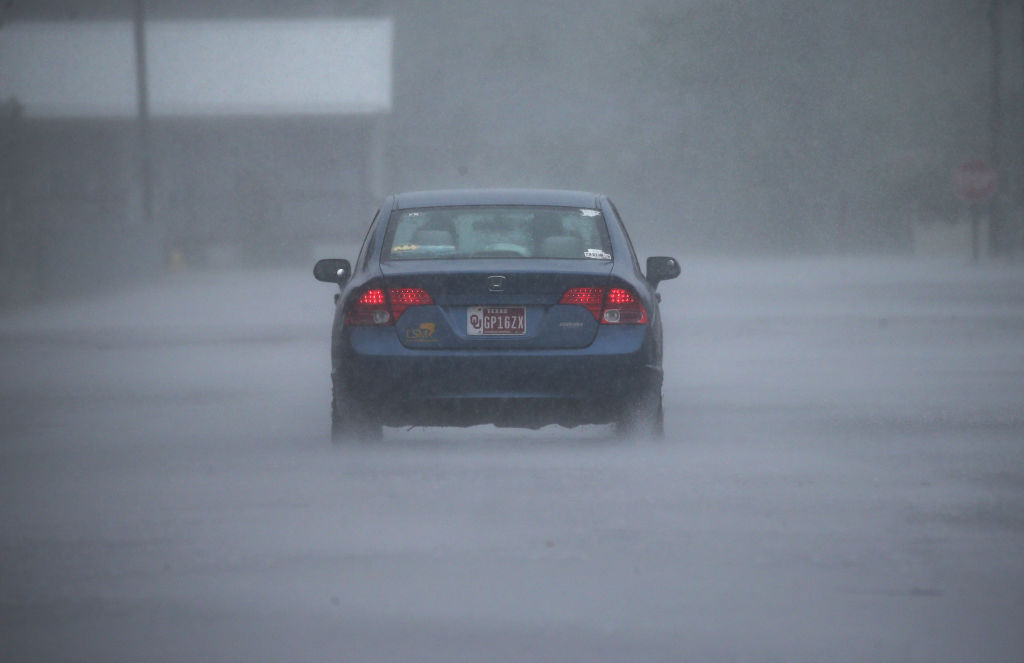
<point x="496" y="320"/>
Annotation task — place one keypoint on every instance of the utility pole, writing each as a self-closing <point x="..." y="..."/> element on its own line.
<point x="1016" y="241"/>
<point x="142" y="101"/>
<point x="15" y="270"/>
<point x="995" y="123"/>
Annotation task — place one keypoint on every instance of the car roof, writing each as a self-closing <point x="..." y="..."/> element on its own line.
<point x="450" y="197"/>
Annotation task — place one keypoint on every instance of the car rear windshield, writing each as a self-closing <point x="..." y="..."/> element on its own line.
<point x="492" y="231"/>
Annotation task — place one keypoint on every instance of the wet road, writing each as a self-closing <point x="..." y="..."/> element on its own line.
<point x="842" y="479"/>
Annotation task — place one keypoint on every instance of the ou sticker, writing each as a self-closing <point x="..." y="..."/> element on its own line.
<point x="597" y="254"/>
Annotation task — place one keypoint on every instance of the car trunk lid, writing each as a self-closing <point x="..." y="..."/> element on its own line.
<point x="496" y="304"/>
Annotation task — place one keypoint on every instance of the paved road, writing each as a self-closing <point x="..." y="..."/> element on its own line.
<point x="842" y="480"/>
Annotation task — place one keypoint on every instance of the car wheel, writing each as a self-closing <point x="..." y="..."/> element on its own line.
<point x="645" y="417"/>
<point x="349" y="423"/>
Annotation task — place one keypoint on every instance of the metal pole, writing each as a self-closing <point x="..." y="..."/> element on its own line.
<point x="142" y="99"/>
<point x="1016" y="241"/>
<point x="995" y="122"/>
<point x="12" y="240"/>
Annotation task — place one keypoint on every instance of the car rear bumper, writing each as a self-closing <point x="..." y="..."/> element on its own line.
<point x="515" y="388"/>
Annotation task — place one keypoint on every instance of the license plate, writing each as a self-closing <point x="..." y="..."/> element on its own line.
<point x="496" y="320"/>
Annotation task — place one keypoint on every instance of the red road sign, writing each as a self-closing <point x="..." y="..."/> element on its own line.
<point x="974" y="180"/>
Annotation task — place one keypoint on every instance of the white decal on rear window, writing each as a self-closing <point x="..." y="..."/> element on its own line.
<point x="590" y="212"/>
<point x="597" y="254"/>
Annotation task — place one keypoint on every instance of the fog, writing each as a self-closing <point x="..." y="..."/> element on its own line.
<point x="740" y="127"/>
<point x="842" y="476"/>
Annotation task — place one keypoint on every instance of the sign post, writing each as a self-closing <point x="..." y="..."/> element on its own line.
<point x="974" y="182"/>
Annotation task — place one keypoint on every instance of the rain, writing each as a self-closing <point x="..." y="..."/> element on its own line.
<point x="842" y="474"/>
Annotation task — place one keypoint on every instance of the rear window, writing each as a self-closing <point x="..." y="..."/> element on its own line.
<point x="493" y="231"/>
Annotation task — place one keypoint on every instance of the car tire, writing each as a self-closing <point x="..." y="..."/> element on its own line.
<point x="349" y="423"/>
<point x="643" y="418"/>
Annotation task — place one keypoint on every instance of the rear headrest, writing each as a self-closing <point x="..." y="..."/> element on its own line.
<point x="562" y="246"/>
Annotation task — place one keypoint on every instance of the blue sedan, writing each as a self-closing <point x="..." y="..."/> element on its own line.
<point x="510" y="307"/>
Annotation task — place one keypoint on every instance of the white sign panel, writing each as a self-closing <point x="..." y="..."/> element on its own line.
<point x="221" y="67"/>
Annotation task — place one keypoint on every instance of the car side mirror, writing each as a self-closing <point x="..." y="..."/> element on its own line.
<point x="332" y="270"/>
<point x="661" y="268"/>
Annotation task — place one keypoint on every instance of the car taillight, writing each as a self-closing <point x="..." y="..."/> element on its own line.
<point x="375" y="307"/>
<point x="614" y="306"/>
<point x="591" y="298"/>
<point x="370" y="309"/>
<point x="403" y="298"/>
<point x="622" y="307"/>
